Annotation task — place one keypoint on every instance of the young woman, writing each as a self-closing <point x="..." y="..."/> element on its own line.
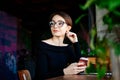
<point x="56" y="58"/>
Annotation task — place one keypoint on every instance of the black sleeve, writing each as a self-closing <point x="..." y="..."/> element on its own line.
<point x="77" y="50"/>
<point x="74" y="52"/>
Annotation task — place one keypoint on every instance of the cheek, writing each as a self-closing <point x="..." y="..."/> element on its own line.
<point x="64" y="31"/>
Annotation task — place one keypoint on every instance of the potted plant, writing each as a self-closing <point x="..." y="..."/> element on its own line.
<point x="107" y="48"/>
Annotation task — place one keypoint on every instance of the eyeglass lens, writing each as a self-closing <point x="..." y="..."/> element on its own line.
<point x="59" y="23"/>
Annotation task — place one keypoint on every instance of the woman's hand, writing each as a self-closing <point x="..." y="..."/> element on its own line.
<point x="74" y="69"/>
<point x="72" y="37"/>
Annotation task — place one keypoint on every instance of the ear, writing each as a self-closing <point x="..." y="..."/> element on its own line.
<point x="69" y="28"/>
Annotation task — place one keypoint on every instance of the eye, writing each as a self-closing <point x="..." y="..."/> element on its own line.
<point x="51" y="23"/>
<point x="60" y="23"/>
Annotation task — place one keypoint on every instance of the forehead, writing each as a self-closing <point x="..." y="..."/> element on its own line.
<point x="58" y="18"/>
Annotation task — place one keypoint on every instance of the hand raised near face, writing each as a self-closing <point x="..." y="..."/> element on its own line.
<point x="72" y="36"/>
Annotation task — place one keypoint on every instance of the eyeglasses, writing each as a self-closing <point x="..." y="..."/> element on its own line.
<point x="58" y="23"/>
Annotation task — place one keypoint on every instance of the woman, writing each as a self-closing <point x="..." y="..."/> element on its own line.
<point x="56" y="58"/>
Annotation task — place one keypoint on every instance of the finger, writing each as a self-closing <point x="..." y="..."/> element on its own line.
<point x="82" y="67"/>
<point x="81" y="63"/>
<point x="78" y="68"/>
<point x="78" y="71"/>
<point x="72" y="35"/>
<point x="75" y="63"/>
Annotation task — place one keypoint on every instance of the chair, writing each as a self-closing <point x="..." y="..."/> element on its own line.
<point x="24" y="75"/>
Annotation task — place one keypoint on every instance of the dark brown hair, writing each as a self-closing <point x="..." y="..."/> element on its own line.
<point x="66" y="16"/>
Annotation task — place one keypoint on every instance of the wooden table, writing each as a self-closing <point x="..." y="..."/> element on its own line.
<point x="79" y="77"/>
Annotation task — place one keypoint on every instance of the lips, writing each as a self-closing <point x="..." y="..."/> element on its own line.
<point x="55" y="30"/>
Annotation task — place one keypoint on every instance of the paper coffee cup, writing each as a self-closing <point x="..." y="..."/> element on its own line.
<point x="83" y="61"/>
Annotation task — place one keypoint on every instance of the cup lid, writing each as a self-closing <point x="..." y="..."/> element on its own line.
<point x="83" y="58"/>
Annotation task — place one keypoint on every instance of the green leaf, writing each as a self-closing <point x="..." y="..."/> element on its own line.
<point x="101" y="70"/>
<point x="111" y="5"/>
<point x="87" y="4"/>
<point x="79" y="18"/>
<point x="91" y="68"/>
<point x="117" y="49"/>
<point x="92" y="36"/>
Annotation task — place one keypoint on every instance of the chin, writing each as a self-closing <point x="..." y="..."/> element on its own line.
<point x="57" y="35"/>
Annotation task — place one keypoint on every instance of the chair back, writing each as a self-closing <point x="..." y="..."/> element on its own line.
<point x="24" y="75"/>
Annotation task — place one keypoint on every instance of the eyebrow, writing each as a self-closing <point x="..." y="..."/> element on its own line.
<point x="58" y="20"/>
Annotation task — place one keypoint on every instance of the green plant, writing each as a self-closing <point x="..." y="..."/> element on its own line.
<point x="99" y="47"/>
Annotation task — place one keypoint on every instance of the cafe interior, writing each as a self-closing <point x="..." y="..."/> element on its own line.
<point x="23" y="24"/>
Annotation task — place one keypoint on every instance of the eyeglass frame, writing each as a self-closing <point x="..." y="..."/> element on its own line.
<point x="57" y="23"/>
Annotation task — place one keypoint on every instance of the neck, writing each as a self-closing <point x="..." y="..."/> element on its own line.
<point x="57" y="41"/>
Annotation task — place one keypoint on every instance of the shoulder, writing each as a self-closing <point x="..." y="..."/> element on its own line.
<point x="46" y="41"/>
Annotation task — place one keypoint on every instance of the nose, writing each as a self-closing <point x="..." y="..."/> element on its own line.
<point x="55" y="26"/>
